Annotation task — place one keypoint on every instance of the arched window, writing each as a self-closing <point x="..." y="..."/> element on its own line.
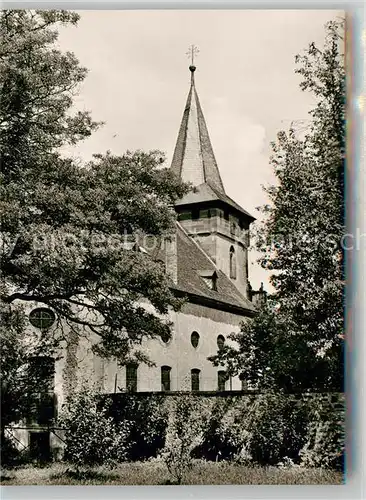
<point x="221" y="380"/>
<point x="131" y="377"/>
<point x="195" y="379"/>
<point x="165" y="378"/>
<point x="244" y="383"/>
<point x="220" y="341"/>
<point x="42" y="318"/>
<point x="232" y="263"/>
<point x="195" y="337"/>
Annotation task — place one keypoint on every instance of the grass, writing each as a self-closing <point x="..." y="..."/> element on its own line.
<point x="155" y="473"/>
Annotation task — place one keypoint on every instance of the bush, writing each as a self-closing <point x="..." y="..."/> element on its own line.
<point x="262" y="429"/>
<point x="265" y="429"/>
<point x="91" y="436"/>
<point x="279" y="429"/>
<point x="147" y="422"/>
<point x="325" y="445"/>
<point x="187" y="419"/>
<point x="221" y="439"/>
<point x="10" y="455"/>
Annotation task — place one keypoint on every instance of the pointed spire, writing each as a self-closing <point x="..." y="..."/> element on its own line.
<point x="194" y="160"/>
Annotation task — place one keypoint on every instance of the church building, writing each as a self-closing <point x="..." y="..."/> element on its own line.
<point x="206" y="259"/>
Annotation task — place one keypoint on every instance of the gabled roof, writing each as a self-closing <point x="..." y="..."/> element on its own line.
<point x="206" y="193"/>
<point x="194" y="160"/>
<point x="191" y="261"/>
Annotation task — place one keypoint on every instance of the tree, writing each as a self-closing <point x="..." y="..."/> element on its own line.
<point x="296" y="341"/>
<point x="66" y="227"/>
<point x="24" y="382"/>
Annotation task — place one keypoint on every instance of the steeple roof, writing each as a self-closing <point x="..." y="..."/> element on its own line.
<point x="194" y="160"/>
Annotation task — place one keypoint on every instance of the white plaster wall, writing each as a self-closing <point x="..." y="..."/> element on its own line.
<point x="179" y="353"/>
<point x="76" y="365"/>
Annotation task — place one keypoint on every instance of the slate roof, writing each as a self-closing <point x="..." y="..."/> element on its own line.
<point x="192" y="263"/>
<point x="193" y="159"/>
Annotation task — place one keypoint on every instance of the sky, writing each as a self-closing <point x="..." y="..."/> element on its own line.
<point x="139" y="79"/>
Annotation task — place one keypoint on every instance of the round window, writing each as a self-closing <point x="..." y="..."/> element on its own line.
<point x="165" y="337"/>
<point x="195" y="339"/>
<point x="42" y="318"/>
<point x="220" y="341"/>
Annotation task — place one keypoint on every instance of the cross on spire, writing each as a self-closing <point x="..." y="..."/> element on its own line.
<point x="192" y="52"/>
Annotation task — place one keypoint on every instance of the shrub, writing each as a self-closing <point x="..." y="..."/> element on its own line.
<point x="147" y="422"/>
<point x="187" y="416"/>
<point x="325" y="445"/>
<point x="10" y="455"/>
<point x="279" y="428"/>
<point x="91" y="436"/>
<point x="263" y="429"/>
<point x="222" y="439"/>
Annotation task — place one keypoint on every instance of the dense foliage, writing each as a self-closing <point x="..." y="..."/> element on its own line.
<point x="296" y="341"/>
<point x="65" y="225"/>
<point x="272" y="429"/>
<point x="187" y="418"/>
<point x="92" y="437"/>
<point x="146" y="416"/>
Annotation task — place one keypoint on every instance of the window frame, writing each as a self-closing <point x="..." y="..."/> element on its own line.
<point x="220" y="341"/>
<point x="232" y="263"/>
<point x="33" y="319"/>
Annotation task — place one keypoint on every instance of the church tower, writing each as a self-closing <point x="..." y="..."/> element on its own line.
<point x="215" y="221"/>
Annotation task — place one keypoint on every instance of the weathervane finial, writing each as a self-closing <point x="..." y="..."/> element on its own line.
<point x="192" y="52"/>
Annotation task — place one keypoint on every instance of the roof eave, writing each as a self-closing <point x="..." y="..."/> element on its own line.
<point x="218" y="202"/>
<point x="215" y="303"/>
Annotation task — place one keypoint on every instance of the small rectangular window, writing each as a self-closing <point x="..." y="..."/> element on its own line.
<point x="131" y="377"/>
